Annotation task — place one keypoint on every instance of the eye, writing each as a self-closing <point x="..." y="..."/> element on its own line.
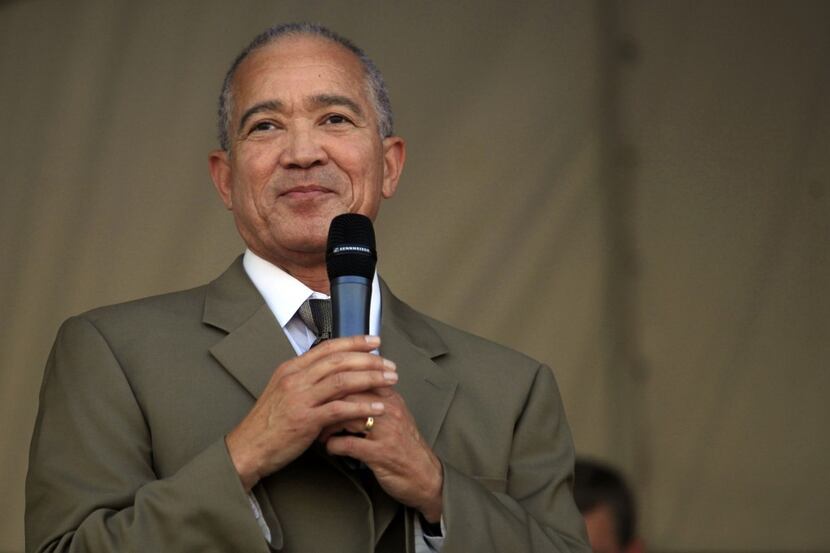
<point x="336" y="119"/>
<point x="262" y="126"/>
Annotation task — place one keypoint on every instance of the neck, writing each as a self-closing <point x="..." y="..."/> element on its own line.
<point x="310" y="269"/>
<point x="316" y="278"/>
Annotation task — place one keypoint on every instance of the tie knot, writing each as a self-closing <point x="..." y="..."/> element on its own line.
<point x="316" y="314"/>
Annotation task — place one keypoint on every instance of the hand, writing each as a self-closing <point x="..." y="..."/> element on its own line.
<point x="403" y="463"/>
<point x="304" y="395"/>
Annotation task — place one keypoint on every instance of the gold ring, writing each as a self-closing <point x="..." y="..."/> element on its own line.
<point x="369" y="424"/>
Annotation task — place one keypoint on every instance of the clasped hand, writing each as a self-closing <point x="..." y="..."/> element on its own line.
<point x="333" y="387"/>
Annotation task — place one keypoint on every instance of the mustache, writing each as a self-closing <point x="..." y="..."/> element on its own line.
<point x="319" y="177"/>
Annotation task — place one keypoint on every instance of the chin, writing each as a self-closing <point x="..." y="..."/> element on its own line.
<point x="315" y="228"/>
<point x="309" y="243"/>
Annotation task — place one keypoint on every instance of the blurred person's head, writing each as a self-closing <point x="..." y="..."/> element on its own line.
<point x="607" y="505"/>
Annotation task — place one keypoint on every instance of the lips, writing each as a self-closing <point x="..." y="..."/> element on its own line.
<point x="305" y="192"/>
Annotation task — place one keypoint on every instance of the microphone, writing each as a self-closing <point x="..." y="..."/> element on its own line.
<point x="350" y="263"/>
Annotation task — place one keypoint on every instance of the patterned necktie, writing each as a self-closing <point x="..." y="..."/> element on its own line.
<point x="316" y="314"/>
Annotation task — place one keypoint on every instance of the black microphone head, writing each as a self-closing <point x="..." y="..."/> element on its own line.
<point x="351" y="247"/>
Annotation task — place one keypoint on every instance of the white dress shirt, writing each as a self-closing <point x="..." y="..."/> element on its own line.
<point x="284" y="295"/>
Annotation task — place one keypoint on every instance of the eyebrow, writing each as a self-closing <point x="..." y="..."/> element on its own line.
<point x="325" y="100"/>
<point x="268" y="105"/>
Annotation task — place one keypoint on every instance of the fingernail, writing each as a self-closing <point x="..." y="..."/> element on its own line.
<point x="389" y="364"/>
<point x="390" y="376"/>
<point x="377" y="406"/>
<point x="373" y="340"/>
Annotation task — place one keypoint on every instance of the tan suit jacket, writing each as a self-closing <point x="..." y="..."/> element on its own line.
<point x="128" y="452"/>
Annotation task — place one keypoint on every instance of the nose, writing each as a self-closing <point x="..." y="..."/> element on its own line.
<point x="302" y="150"/>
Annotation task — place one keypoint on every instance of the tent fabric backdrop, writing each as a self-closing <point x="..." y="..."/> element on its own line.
<point x="634" y="193"/>
<point x="727" y="106"/>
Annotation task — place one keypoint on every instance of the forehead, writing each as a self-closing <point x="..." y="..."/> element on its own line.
<point x="298" y="66"/>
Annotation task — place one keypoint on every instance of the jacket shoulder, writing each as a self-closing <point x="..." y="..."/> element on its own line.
<point x="473" y="345"/>
<point x="454" y="347"/>
<point x="172" y="306"/>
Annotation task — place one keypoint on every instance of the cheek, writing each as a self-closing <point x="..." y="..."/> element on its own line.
<point x="252" y="182"/>
<point x="365" y="172"/>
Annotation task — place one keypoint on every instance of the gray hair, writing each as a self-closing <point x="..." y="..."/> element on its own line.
<point x="374" y="80"/>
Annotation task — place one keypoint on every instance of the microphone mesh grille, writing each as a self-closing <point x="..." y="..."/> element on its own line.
<point x="351" y="229"/>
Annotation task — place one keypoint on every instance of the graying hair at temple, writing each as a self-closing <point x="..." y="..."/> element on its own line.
<point x="374" y="80"/>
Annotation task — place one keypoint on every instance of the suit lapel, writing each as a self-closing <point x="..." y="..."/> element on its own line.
<point x="427" y="388"/>
<point x="255" y="344"/>
<point x="409" y="341"/>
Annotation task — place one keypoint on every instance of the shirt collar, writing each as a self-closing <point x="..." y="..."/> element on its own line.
<point x="284" y="294"/>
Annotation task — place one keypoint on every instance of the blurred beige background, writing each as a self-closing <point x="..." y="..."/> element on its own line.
<point x="633" y="192"/>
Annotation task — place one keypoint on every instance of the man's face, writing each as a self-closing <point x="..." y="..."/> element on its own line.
<point x="602" y="532"/>
<point x="304" y="148"/>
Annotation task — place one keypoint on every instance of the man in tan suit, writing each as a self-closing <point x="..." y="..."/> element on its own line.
<point x="201" y="420"/>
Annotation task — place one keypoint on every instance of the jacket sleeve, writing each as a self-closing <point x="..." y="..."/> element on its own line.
<point x="91" y="484"/>
<point x="533" y="511"/>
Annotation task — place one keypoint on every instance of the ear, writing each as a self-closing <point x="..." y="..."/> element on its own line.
<point x="394" y="156"/>
<point x="220" y="171"/>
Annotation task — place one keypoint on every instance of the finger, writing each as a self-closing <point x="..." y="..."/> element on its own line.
<point x="334" y="345"/>
<point x="329" y="431"/>
<point x="343" y="361"/>
<point x="354" y="447"/>
<point x="367" y="396"/>
<point x="354" y="427"/>
<point x="338" y="430"/>
<point x="345" y="383"/>
<point x="364" y="344"/>
<point x="387" y="392"/>
<point x="333" y="416"/>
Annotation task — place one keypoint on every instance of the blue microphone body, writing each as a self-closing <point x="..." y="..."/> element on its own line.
<point x="350" y="262"/>
<point x="351" y="297"/>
